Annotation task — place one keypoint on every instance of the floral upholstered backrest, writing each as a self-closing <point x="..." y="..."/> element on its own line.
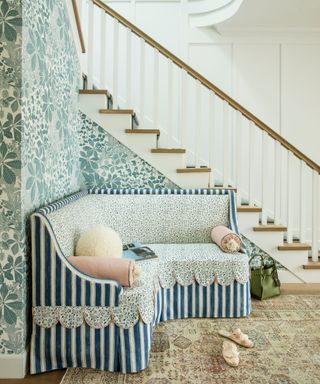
<point x="151" y="218"/>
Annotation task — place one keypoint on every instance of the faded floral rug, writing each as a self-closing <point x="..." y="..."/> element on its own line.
<point x="285" y="330"/>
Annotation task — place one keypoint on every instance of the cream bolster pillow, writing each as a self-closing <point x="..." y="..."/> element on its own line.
<point x="121" y="270"/>
<point x="227" y="240"/>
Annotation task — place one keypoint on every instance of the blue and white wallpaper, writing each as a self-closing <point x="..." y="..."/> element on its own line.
<point x="39" y="150"/>
<point x="106" y="163"/>
<point x="12" y="238"/>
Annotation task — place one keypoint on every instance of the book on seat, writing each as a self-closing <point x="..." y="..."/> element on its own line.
<point x="137" y="252"/>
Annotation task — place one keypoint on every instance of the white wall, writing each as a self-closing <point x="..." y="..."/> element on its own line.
<point x="274" y="74"/>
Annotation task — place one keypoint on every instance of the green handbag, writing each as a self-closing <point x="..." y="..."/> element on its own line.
<point x="264" y="280"/>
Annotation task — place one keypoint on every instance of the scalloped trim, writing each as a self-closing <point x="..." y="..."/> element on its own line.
<point x="95" y="317"/>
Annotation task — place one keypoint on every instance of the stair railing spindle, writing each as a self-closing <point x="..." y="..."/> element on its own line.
<point x="129" y="68"/>
<point x="290" y="194"/>
<point x="103" y="50"/>
<point x="277" y="182"/>
<point x="142" y="62"/>
<point x="197" y="124"/>
<point x="211" y="125"/>
<point x="169" y="103"/>
<point x="90" y="43"/>
<point x="264" y="173"/>
<point x="156" y="88"/>
<point x="252" y="151"/>
<point x="315" y="216"/>
<point x="115" y="64"/>
<point x="238" y="144"/>
<point x="183" y="107"/>
<point x="302" y="203"/>
<point x="226" y="142"/>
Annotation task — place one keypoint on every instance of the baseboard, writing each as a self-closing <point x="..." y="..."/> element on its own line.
<point x="13" y="366"/>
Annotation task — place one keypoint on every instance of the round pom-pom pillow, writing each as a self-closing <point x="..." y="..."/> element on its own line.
<point x="99" y="241"/>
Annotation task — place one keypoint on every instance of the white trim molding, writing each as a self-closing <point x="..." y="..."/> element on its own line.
<point x="13" y="366"/>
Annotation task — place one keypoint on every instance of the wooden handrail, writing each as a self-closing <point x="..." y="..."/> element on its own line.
<point x="78" y="23"/>
<point x="192" y="72"/>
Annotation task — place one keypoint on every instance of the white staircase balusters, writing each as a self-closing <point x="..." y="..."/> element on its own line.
<point x="290" y="197"/>
<point x="197" y="125"/>
<point x="226" y="143"/>
<point x="315" y="216"/>
<point x="103" y="49"/>
<point x="212" y="136"/>
<point x="264" y="178"/>
<point x="169" y="120"/>
<point x="90" y="55"/>
<point x="277" y="183"/>
<point x="302" y="203"/>
<point x="183" y="108"/>
<point x="239" y="154"/>
<point x="252" y="159"/>
<point x="129" y="68"/>
<point x="191" y="113"/>
<point x="155" y="88"/>
<point x="142" y="81"/>
<point x="115" y="64"/>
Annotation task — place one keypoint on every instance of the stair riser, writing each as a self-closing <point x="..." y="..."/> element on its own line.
<point x="112" y="123"/>
<point x="268" y="241"/>
<point x="247" y="220"/>
<point x="192" y="180"/>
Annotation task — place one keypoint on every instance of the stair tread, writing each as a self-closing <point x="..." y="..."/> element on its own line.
<point x="312" y="265"/>
<point x="95" y="92"/>
<point x="295" y="246"/>
<point x="248" y="208"/>
<point x="116" y="111"/>
<point x="140" y="130"/>
<point x="270" y="228"/>
<point x="193" y="170"/>
<point x="168" y="150"/>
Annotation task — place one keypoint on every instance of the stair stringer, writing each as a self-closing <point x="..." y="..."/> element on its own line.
<point x="141" y="144"/>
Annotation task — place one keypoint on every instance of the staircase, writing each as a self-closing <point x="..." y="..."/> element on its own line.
<point x="198" y="136"/>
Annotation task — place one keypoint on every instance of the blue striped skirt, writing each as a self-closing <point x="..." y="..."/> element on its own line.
<point x="127" y="350"/>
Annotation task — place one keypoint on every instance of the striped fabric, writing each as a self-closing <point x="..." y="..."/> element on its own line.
<point x="159" y="191"/>
<point x="215" y="300"/>
<point x="61" y="203"/>
<point x="55" y="282"/>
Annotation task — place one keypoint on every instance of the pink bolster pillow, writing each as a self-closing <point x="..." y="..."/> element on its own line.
<point x="121" y="270"/>
<point x="227" y="240"/>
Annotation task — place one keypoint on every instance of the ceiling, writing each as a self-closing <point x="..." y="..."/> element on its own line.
<point x="275" y="14"/>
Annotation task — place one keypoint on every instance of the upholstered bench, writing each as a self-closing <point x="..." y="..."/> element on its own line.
<point x="81" y="321"/>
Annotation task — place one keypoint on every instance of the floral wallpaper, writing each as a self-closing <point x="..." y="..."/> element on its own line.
<point x="51" y="79"/>
<point x="39" y="147"/>
<point x="12" y="244"/>
<point x="106" y="163"/>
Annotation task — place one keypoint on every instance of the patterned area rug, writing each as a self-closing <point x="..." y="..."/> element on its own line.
<point x="285" y="330"/>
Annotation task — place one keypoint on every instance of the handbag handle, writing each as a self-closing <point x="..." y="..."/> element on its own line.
<point x="262" y="258"/>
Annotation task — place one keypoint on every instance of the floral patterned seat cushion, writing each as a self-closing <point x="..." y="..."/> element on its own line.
<point x="183" y="264"/>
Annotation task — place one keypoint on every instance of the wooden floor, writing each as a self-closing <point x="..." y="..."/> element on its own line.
<point x="300" y="289"/>
<point x="53" y="377"/>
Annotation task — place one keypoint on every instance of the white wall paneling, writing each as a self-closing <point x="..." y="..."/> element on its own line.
<point x="300" y="84"/>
